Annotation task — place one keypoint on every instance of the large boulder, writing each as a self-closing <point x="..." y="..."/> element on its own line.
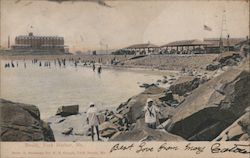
<point x="68" y="110"/>
<point x="108" y="129"/>
<point x="21" y="122"/>
<point x="213" y="106"/>
<point x="213" y="66"/>
<point x="142" y="133"/>
<point x="225" y="59"/>
<point x="133" y="108"/>
<point x="185" y="84"/>
<point x="238" y="131"/>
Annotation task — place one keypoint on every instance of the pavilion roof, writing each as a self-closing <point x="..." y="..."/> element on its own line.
<point x="215" y="42"/>
<point x="144" y="45"/>
<point x="194" y="42"/>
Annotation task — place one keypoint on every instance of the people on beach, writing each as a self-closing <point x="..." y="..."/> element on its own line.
<point x="64" y="62"/>
<point x="7" y="65"/>
<point x="99" y="69"/>
<point x="12" y="64"/>
<point x="93" y="67"/>
<point x="75" y="63"/>
<point x="93" y="120"/>
<point x="150" y="113"/>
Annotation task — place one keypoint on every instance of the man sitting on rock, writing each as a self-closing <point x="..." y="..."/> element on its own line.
<point x="150" y="113"/>
<point x="93" y="120"/>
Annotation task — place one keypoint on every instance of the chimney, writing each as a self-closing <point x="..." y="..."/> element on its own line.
<point x="8" y="41"/>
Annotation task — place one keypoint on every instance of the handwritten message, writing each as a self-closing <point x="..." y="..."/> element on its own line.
<point x="214" y="148"/>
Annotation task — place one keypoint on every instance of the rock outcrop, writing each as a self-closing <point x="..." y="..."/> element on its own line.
<point x="133" y="108"/>
<point x="238" y="131"/>
<point x="184" y="84"/>
<point x="225" y="59"/>
<point x="142" y="133"/>
<point x="21" y="122"/>
<point x="213" y="106"/>
<point x="108" y="129"/>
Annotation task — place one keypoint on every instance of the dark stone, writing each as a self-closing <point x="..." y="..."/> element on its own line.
<point x="168" y="96"/>
<point x="68" y="131"/>
<point x="213" y="66"/>
<point x="21" y="122"/>
<point x="65" y="111"/>
<point x="225" y="59"/>
<point x="108" y="129"/>
<point x="238" y="131"/>
<point x="184" y="84"/>
<point x="213" y="106"/>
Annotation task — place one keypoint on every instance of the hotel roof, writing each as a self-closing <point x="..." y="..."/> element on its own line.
<point x="38" y="37"/>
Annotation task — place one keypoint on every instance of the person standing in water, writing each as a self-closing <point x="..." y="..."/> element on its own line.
<point x="94" y="67"/>
<point x="99" y="69"/>
<point x="93" y="120"/>
<point x="12" y="64"/>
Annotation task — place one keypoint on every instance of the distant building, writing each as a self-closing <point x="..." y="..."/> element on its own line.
<point x="228" y="44"/>
<point x="193" y="46"/>
<point x="39" y="43"/>
<point x="143" y="49"/>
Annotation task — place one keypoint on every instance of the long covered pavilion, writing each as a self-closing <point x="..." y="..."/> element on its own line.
<point x="143" y="49"/>
<point x="185" y="47"/>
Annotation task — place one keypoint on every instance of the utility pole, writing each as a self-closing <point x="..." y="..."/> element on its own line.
<point x="223" y="32"/>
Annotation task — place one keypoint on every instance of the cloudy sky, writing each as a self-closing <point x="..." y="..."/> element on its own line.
<point x="88" y="25"/>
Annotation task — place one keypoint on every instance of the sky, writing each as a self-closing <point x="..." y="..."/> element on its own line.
<point x="89" y="26"/>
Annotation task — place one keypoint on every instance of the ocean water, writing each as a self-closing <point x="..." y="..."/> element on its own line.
<point x="54" y="86"/>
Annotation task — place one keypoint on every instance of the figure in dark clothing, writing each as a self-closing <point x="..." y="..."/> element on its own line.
<point x="64" y="62"/>
<point x="12" y="64"/>
<point x="99" y="69"/>
<point x="75" y="63"/>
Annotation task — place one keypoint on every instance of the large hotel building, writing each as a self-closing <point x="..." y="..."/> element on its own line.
<point x="39" y="43"/>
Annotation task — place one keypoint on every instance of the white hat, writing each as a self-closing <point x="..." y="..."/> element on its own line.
<point x="149" y="100"/>
<point x="91" y="104"/>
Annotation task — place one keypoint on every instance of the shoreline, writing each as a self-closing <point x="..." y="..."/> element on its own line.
<point x="186" y="97"/>
<point x="153" y="64"/>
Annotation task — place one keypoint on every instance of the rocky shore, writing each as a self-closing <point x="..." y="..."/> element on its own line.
<point x="21" y="122"/>
<point x="197" y="104"/>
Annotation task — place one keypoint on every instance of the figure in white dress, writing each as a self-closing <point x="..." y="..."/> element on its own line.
<point x="93" y="120"/>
